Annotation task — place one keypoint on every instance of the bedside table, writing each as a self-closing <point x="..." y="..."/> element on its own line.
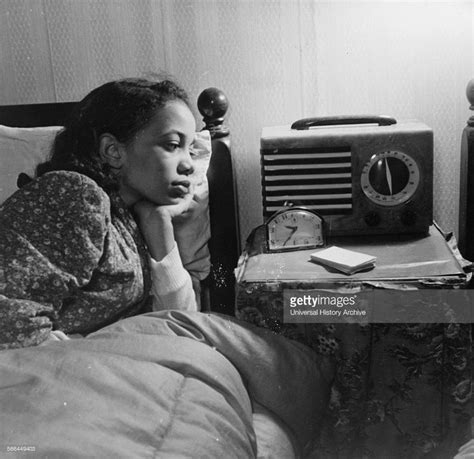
<point x="404" y="263"/>
<point x="401" y="389"/>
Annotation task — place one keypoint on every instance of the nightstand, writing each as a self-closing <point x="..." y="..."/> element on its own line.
<point x="404" y="263"/>
<point x="401" y="389"/>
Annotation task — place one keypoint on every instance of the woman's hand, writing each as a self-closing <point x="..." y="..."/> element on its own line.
<point x="156" y="224"/>
<point x="146" y="209"/>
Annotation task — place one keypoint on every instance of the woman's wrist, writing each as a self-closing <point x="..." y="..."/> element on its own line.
<point x="157" y="225"/>
<point x="159" y="234"/>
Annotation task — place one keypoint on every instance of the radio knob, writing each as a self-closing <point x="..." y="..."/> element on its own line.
<point x="408" y="217"/>
<point x="372" y="219"/>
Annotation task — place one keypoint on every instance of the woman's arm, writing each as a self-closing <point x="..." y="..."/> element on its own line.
<point x="52" y="235"/>
<point x="172" y="285"/>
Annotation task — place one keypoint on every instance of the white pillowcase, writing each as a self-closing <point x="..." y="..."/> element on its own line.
<point x="193" y="234"/>
<point x="21" y="149"/>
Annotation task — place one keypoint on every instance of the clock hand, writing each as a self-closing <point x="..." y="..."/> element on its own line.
<point x="293" y="231"/>
<point x="388" y="175"/>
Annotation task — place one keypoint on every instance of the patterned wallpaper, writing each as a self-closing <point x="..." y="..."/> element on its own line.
<point x="276" y="60"/>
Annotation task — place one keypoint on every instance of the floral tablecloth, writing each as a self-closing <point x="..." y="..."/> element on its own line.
<point x="400" y="390"/>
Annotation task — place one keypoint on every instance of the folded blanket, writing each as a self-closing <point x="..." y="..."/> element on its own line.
<point x="165" y="384"/>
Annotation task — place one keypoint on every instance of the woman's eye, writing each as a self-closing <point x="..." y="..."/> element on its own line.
<point x="192" y="152"/>
<point x="171" y="146"/>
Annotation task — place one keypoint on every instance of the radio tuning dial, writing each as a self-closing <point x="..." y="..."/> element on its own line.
<point x="390" y="178"/>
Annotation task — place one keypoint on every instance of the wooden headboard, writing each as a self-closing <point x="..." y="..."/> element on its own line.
<point x="218" y="292"/>
<point x="466" y="201"/>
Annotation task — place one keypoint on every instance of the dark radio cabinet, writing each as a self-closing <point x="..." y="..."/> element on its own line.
<point x="364" y="175"/>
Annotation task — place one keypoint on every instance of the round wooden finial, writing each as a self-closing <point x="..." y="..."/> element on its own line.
<point x="213" y="105"/>
<point x="470" y="93"/>
<point x="470" y="98"/>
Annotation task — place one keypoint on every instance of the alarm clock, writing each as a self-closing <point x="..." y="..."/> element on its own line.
<point x="365" y="174"/>
<point x="294" y="228"/>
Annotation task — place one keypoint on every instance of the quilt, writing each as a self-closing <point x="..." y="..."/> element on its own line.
<point x="163" y="384"/>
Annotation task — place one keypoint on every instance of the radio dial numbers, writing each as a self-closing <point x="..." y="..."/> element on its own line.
<point x="390" y="178"/>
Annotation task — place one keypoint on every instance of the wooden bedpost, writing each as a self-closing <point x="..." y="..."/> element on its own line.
<point x="466" y="199"/>
<point x="224" y="245"/>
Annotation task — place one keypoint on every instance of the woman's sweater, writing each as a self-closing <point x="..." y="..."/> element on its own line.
<point x="72" y="258"/>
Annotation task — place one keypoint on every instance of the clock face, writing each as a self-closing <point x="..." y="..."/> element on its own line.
<point x="294" y="229"/>
<point x="390" y="178"/>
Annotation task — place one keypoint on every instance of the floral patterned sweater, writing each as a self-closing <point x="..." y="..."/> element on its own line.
<point x="72" y="258"/>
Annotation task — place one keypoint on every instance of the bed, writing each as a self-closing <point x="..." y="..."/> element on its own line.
<point x="170" y="383"/>
<point x="466" y="201"/>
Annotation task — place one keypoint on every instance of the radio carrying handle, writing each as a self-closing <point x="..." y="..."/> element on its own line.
<point x="306" y="123"/>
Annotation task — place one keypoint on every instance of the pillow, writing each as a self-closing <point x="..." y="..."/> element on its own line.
<point x="193" y="231"/>
<point x="273" y="438"/>
<point x="21" y="149"/>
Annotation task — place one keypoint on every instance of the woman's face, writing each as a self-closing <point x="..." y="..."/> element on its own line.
<point x="157" y="162"/>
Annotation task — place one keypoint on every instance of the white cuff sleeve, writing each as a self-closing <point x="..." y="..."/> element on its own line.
<point x="171" y="284"/>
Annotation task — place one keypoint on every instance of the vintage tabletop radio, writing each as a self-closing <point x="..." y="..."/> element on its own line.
<point x="363" y="174"/>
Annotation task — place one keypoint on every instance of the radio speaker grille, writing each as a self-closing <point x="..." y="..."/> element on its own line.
<point x="317" y="178"/>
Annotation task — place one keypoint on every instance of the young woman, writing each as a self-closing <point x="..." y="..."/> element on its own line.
<point x="90" y="239"/>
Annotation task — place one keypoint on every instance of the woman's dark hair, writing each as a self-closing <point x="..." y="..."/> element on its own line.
<point x="120" y="108"/>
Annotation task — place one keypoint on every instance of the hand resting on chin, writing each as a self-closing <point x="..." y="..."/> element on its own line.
<point x="156" y="224"/>
<point x="173" y="286"/>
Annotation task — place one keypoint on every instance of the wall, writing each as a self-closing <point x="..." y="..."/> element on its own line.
<point x="277" y="61"/>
